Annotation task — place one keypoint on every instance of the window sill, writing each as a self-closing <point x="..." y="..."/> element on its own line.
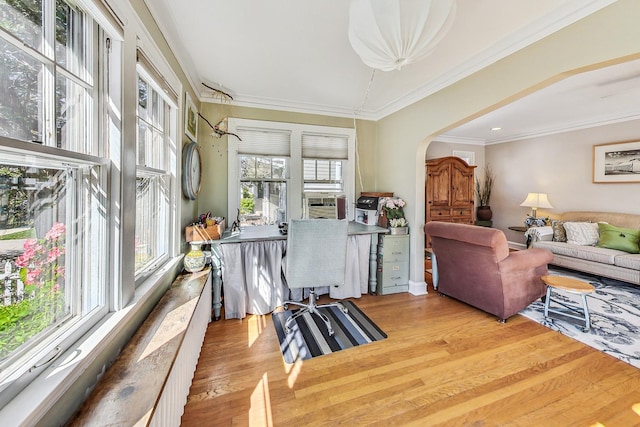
<point x="61" y="389"/>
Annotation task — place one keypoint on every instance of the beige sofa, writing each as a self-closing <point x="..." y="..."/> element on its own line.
<point x="605" y="262"/>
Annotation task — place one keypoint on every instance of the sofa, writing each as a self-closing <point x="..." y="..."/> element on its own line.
<point x="475" y="266"/>
<point x="608" y="257"/>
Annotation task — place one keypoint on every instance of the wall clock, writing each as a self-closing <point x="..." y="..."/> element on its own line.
<point x="191" y="170"/>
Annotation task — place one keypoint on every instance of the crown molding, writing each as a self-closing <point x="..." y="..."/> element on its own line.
<point x="459" y="140"/>
<point x="568" y="127"/>
<point x="292" y="107"/>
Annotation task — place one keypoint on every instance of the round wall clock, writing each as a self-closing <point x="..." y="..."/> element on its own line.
<point x="191" y="170"/>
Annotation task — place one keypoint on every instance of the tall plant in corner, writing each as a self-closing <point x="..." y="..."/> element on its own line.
<point x="483" y="193"/>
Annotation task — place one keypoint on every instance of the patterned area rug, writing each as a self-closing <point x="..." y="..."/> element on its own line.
<point x="309" y="338"/>
<point x="614" y="308"/>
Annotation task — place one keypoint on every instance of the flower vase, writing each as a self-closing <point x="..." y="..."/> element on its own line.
<point x="195" y="259"/>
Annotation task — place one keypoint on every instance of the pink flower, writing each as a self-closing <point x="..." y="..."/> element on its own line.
<point x="60" y="271"/>
<point x="56" y="231"/>
<point x="53" y="254"/>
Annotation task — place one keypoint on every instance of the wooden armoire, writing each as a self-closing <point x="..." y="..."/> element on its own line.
<point x="449" y="191"/>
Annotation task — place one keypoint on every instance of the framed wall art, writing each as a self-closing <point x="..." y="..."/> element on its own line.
<point x="616" y="162"/>
<point x="467" y="156"/>
<point x="190" y="119"/>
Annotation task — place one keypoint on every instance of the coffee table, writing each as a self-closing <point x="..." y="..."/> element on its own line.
<point x="573" y="286"/>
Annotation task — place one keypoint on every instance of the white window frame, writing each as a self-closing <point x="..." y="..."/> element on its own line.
<point x="295" y="194"/>
<point x="171" y="126"/>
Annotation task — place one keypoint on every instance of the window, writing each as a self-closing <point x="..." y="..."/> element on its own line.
<point x="263" y="190"/>
<point x="276" y="163"/>
<point x="53" y="192"/>
<point x="156" y="115"/>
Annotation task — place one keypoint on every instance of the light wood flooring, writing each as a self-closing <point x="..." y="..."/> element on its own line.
<point x="444" y="363"/>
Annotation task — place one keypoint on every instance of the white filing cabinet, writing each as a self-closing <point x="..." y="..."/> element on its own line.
<point x="393" y="264"/>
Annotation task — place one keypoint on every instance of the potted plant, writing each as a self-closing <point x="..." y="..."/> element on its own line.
<point x="483" y="193"/>
<point x="392" y="207"/>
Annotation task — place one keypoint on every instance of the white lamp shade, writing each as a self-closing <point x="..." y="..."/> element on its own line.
<point x="388" y="34"/>
<point x="537" y="200"/>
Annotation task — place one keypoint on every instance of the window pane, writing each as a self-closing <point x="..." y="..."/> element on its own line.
<point x="73" y="40"/>
<point x="73" y="116"/>
<point x="279" y="169"/>
<point x="34" y="293"/>
<point x="143" y="99"/>
<point x="263" y="202"/>
<point x="20" y="94"/>
<point x="247" y="167"/>
<point x="23" y="19"/>
<point x="263" y="167"/>
<point x="152" y="201"/>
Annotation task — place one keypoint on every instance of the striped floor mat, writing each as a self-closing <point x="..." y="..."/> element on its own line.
<point x="308" y="337"/>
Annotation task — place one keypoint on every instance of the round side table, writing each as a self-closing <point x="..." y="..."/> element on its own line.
<point x="573" y="286"/>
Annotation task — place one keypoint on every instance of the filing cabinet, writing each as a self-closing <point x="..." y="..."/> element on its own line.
<point x="393" y="264"/>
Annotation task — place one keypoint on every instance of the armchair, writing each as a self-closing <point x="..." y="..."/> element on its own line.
<point x="316" y="255"/>
<point x="476" y="267"/>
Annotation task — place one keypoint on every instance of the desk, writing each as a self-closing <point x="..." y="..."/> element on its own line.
<point x="268" y="244"/>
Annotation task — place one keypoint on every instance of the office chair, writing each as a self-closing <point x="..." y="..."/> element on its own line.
<point x="316" y="256"/>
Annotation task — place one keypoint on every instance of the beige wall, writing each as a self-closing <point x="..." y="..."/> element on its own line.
<point x="610" y="35"/>
<point x="213" y="194"/>
<point x="561" y="166"/>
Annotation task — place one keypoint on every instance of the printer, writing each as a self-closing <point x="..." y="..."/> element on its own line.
<point x="367" y="210"/>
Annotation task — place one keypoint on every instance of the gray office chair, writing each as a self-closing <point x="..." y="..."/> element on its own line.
<point x="316" y="256"/>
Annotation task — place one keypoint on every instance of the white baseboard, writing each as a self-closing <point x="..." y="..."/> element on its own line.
<point x="417" y="288"/>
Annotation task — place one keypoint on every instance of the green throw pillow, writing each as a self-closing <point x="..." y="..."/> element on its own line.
<point x="622" y="239"/>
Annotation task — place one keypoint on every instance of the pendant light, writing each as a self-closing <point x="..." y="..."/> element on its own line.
<point x="389" y="34"/>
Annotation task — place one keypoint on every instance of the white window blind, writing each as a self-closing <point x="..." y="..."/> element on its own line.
<point x="317" y="146"/>
<point x="264" y="142"/>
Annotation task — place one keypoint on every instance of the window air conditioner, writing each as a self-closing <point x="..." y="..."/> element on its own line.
<point x="321" y="205"/>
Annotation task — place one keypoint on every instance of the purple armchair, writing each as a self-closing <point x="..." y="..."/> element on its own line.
<point x="475" y="266"/>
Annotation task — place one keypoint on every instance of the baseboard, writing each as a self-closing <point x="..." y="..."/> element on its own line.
<point x="417" y="288"/>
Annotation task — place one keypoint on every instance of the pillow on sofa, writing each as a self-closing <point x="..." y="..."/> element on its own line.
<point x="620" y="238"/>
<point x="559" y="233"/>
<point x="582" y="233"/>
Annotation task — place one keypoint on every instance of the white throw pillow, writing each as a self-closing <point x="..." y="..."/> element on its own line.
<point x="582" y="233"/>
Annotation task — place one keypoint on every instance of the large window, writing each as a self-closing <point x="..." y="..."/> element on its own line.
<point x="53" y="192"/>
<point x="276" y="163"/>
<point x="155" y="147"/>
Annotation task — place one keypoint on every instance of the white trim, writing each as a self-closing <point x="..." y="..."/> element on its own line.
<point x="417" y="288"/>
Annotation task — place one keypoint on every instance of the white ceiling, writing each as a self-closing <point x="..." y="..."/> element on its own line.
<point x="294" y="55"/>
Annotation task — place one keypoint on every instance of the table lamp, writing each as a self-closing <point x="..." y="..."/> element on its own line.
<point x="535" y="201"/>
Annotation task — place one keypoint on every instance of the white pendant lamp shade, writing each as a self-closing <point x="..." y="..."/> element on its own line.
<point x="388" y="34"/>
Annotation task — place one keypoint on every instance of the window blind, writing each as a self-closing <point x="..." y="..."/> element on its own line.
<point x="317" y="146"/>
<point x="264" y="142"/>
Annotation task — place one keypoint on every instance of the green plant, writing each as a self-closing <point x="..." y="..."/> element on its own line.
<point x="483" y="188"/>
<point x="247" y="203"/>
<point x="392" y="207"/>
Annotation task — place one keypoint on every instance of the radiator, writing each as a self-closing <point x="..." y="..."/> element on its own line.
<point x="176" y="390"/>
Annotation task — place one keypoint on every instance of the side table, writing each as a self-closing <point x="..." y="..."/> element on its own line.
<point x="573" y="286"/>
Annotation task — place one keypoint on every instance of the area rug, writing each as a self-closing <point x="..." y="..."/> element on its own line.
<point x="614" y="308"/>
<point x="308" y="336"/>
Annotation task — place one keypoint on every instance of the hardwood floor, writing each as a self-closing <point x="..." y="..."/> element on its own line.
<point x="443" y="363"/>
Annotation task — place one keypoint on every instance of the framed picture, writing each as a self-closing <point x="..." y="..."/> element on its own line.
<point x="190" y="119"/>
<point x="467" y="156"/>
<point x="616" y="162"/>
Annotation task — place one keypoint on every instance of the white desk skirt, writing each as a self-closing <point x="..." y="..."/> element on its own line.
<point x="252" y="276"/>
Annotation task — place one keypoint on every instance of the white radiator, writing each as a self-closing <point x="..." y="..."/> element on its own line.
<point x="176" y="390"/>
